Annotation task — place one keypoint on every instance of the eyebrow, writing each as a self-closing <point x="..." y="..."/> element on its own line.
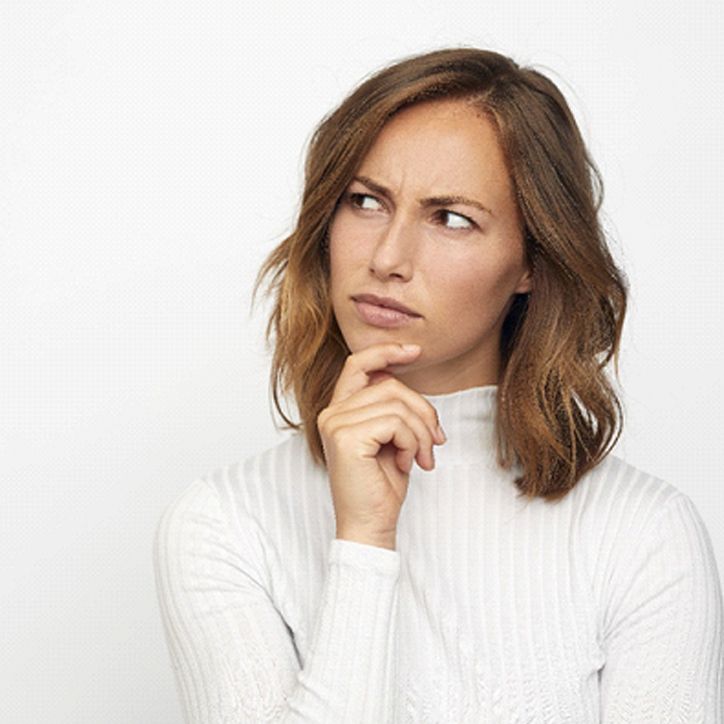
<point x="430" y="201"/>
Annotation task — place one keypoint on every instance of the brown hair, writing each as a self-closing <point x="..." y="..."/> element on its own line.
<point x="557" y="414"/>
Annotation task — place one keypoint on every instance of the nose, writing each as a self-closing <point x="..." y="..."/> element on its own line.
<point x="395" y="249"/>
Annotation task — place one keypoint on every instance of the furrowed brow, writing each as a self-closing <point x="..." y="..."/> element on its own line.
<point x="430" y="201"/>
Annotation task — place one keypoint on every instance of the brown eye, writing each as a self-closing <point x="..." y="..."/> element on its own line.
<point x="469" y="223"/>
<point x="355" y="199"/>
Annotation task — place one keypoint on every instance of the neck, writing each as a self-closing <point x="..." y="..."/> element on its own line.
<point x="468" y="418"/>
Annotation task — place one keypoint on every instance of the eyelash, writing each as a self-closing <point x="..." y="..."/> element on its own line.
<point x="349" y="197"/>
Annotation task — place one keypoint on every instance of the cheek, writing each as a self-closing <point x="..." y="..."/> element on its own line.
<point x="342" y="263"/>
<point x="471" y="296"/>
<point x="350" y="254"/>
<point x="339" y="236"/>
<point x="336" y="250"/>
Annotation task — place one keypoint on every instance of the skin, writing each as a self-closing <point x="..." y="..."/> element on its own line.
<point x="460" y="276"/>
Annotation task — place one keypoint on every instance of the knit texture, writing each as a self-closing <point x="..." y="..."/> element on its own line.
<point x="603" y="607"/>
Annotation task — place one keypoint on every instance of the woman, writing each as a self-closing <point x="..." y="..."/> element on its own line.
<point x="519" y="573"/>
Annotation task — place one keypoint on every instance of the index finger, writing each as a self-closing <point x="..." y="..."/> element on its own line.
<point x="359" y="367"/>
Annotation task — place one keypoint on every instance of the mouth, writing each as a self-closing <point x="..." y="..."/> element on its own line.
<point x="378" y="316"/>
<point x="385" y="303"/>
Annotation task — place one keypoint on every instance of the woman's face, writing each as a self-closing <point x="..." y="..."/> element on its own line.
<point x="455" y="264"/>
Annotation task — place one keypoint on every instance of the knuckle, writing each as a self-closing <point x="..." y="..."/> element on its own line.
<point x="338" y="434"/>
<point x="399" y="407"/>
<point x="322" y="420"/>
<point x="399" y="417"/>
<point x="385" y="382"/>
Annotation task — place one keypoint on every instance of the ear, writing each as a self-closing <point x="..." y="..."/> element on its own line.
<point x="525" y="283"/>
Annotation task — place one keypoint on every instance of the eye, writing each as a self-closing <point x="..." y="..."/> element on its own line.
<point x="468" y="225"/>
<point x="354" y="198"/>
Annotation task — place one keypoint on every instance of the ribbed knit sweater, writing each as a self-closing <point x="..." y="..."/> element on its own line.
<point x="603" y="607"/>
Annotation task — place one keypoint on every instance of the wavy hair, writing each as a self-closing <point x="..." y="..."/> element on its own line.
<point x="557" y="414"/>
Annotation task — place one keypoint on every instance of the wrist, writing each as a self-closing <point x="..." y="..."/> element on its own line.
<point x="370" y="539"/>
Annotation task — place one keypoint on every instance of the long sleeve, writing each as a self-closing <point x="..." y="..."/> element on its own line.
<point x="233" y="655"/>
<point x="663" y="626"/>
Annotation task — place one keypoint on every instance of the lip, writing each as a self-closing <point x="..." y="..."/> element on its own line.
<point x="383" y="316"/>
<point x="385" y="302"/>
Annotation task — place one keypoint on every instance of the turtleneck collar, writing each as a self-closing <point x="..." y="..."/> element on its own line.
<point x="468" y="418"/>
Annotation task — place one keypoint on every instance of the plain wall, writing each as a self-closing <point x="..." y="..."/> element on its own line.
<point x="151" y="157"/>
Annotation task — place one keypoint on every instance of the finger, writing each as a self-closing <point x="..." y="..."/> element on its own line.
<point x="392" y="387"/>
<point x="390" y="428"/>
<point x="388" y="388"/>
<point x="359" y="365"/>
<point x="358" y="416"/>
<point x="377" y="377"/>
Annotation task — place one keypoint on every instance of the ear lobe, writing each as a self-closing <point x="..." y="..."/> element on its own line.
<point x="525" y="284"/>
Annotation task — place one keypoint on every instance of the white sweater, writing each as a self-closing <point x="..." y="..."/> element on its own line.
<point x="604" y="607"/>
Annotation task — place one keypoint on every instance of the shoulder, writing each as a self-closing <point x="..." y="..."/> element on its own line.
<point x="216" y="519"/>
<point x="246" y="481"/>
<point x="267" y="483"/>
<point x="250" y="494"/>
<point x="618" y="497"/>
<point x="648" y="558"/>
<point x="630" y="520"/>
<point x="620" y="511"/>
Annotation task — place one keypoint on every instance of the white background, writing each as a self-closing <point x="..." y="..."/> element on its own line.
<point x="151" y="157"/>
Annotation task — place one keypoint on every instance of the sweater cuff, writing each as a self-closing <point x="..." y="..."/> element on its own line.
<point x="363" y="556"/>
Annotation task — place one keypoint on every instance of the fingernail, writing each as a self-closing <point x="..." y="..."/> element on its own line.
<point x="410" y="347"/>
<point x="441" y="433"/>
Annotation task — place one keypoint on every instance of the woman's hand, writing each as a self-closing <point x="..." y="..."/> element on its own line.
<point x="372" y="430"/>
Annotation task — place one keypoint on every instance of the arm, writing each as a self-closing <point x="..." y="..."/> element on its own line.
<point x="233" y="656"/>
<point x="663" y="626"/>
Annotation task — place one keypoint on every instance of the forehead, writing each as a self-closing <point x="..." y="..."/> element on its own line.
<point x="440" y="146"/>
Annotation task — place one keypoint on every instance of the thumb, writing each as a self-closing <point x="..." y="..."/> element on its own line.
<point x="375" y="377"/>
